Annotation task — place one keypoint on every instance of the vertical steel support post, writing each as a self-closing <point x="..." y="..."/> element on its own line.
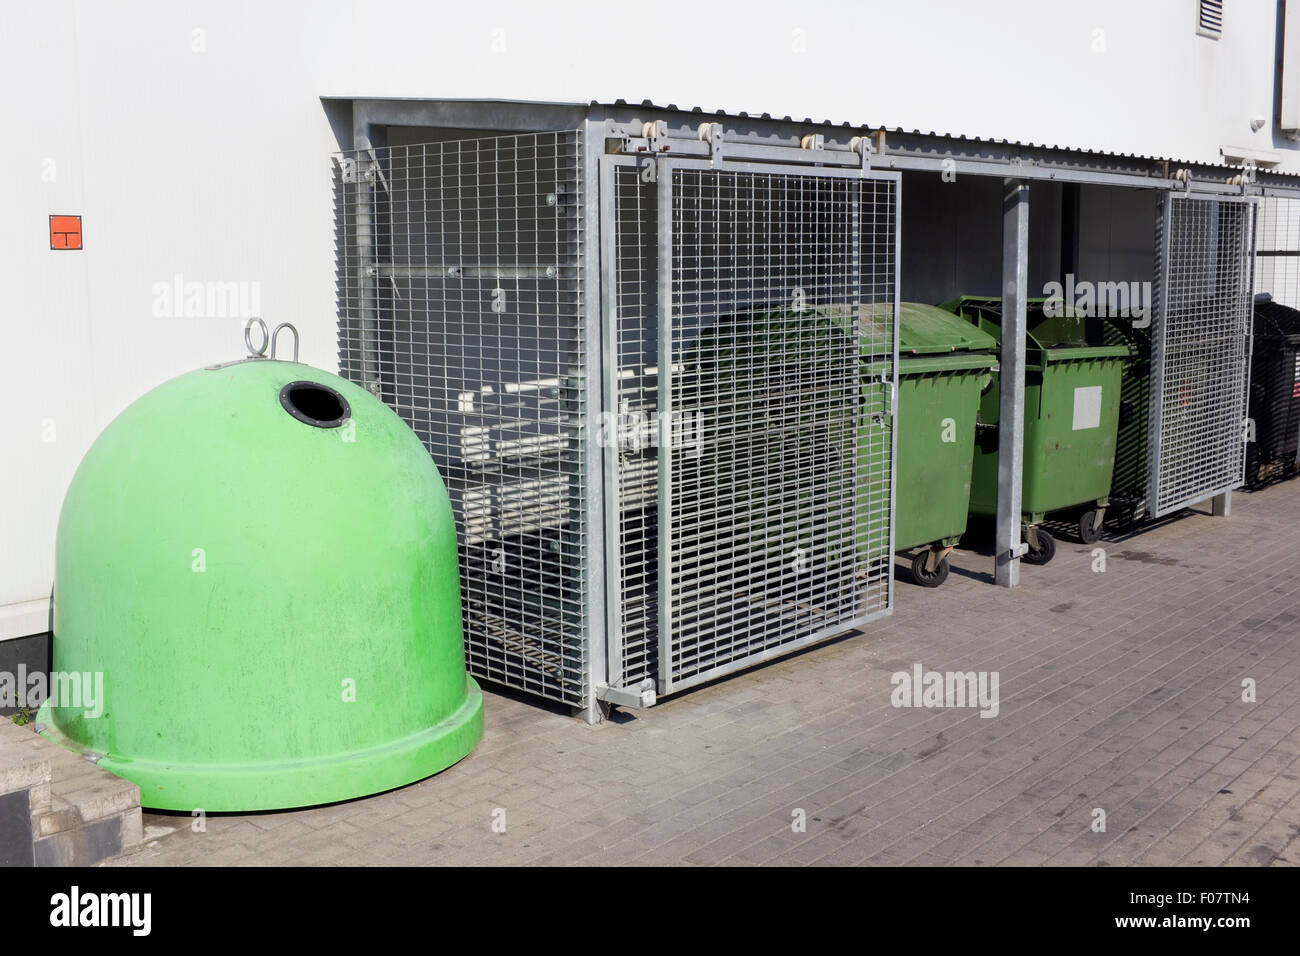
<point x="1011" y="414"/>
<point x="666" y="409"/>
<point x="593" y="435"/>
<point x="364" y="135"/>
<point x="610" y="424"/>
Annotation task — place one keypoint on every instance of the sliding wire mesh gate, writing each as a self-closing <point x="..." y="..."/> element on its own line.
<point x="750" y="320"/>
<point x="734" y="500"/>
<point x="1200" y="348"/>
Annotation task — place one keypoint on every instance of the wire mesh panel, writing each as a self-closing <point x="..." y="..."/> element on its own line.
<point x="461" y="305"/>
<point x="631" y="261"/>
<point x="776" y="317"/>
<point x="1275" y="364"/>
<point x="1200" y="349"/>
<point x="1277" y="249"/>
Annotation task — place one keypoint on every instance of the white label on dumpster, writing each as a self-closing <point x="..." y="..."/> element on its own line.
<point x="1087" y="407"/>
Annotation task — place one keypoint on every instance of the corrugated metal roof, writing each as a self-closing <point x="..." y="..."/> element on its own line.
<point x="974" y="141"/>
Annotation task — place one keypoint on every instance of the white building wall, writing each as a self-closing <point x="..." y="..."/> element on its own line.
<point x="192" y="139"/>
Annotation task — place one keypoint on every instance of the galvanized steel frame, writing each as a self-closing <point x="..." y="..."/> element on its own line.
<point x="595" y="566"/>
<point x="1011" y="383"/>
<point x="609" y="290"/>
<point x="618" y="685"/>
<point x="664" y="486"/>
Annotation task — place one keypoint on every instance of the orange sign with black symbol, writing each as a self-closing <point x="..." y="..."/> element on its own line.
<point x="65" y="232"/>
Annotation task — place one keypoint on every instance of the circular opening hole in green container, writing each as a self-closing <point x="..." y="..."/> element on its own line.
<point x="315" y="404"/>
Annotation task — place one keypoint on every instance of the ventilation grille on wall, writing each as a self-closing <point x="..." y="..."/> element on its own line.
<point x="1209" y="18"/>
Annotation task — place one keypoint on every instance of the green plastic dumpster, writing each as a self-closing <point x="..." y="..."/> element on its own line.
<point x="772" y="389"/>
<point x="1072" y="399"/>
<point x="943" y="364"/>
<point x="1128" y="486"/>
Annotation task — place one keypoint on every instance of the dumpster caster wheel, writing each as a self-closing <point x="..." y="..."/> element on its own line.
<point x="1090" y="524"/>
<point x="927" y="578"/>
<point x="1045" y="551"/>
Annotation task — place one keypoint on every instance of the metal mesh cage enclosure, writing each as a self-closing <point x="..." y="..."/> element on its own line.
<point x="689" y="476"/>
<point x="460" y="289"/>
<point x="1200" y="349"/>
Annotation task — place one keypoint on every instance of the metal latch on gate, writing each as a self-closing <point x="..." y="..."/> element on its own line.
<point x="643" y="695"/>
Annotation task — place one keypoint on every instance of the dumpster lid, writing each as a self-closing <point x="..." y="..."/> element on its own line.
<point x="803" y="336"/>
<point x="922" y="330"/>
<point x="1273" y="320"/>
<point x="930" y="330"/>
<point x="1055" y="337"/>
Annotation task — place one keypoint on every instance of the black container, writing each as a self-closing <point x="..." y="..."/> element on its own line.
<point x="1274" y="392"/>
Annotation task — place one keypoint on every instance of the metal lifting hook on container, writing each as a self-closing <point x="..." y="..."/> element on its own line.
<point x="270" y="338"/>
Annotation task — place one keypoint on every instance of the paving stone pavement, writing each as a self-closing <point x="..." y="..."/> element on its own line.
<point x="1120" y="691"/>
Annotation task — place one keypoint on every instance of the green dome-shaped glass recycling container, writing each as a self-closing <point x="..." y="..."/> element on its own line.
<point x="260" y="558"/>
